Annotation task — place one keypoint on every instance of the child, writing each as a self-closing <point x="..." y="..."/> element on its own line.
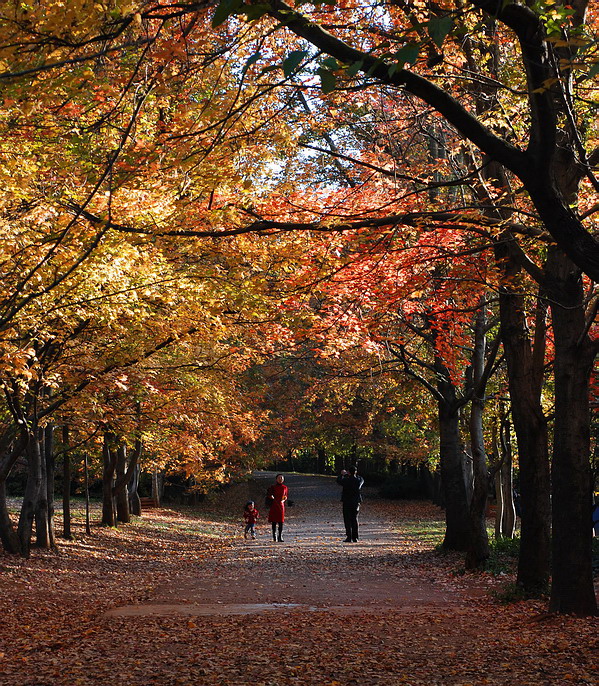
<point x="250" y="514"/>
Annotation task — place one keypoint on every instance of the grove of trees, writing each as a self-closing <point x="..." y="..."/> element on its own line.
<point x="234" y="230"/>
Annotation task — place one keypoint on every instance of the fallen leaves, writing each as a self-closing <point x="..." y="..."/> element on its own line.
<point x="410" y="619"/>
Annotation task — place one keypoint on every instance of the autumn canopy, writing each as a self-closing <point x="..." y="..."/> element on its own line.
<point x="240" y="232"/>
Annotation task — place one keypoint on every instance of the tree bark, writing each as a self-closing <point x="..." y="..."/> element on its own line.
<point x="478" y="548"/>
<point x="14" y="447"/>
<point x="66" y="484"/>
<point x="508" y="519"/>
<point x="8" y="534"/>
<point x="42" y="525"/>
<point x="499" y="504"/>
<point x="32" y="493"/>
<point x="45" y="530"/>
<point x="525" y="374"/>
<point x="453" y="473"/>
<point x="156" y="487"/>
<point x="108" y="464"/>
<point x="572" y="590"/>
<point x="133" y="488"/>
<point x="120" y="488"/>
<point x="86" y="486"/>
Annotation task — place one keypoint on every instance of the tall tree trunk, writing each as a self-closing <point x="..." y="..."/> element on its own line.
<point x="108" y="468"/>
<point x="13" y="449"/>
<point x="453" y="476"/>
<point x="66" y="484"/>
<point x="478" y="548"/>
<point x="498" y="485"/>
<point x="321" y="460"/>
<point x="525" y="374"/>
<point x="120" y="489"/>
<point x="496" y="473"/>
<point x="133" y="488"/>
<point x="156" y="487"/>
<point x="572" y="579"/>
<point x="42" y="524"/>
<point x="86" y="486"/>
<point x="50" y="486"/>
<point x="8" y="535"/>
<point x="32" y="493"/>
<point x="508" y="520"/>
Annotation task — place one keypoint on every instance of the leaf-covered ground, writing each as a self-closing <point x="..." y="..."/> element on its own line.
<point x="182" y="598"/>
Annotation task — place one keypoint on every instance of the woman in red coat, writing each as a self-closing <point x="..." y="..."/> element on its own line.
<point x="277" y="493"/>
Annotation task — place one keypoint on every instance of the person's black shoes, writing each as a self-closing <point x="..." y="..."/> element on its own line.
<point x="347" y="540"/>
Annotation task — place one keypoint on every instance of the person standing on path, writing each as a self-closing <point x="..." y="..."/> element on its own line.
<point x="277" y="494"/>
<point x="351" y="498"/>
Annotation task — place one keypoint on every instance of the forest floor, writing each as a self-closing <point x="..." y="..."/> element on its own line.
<point x="180" y="597"/>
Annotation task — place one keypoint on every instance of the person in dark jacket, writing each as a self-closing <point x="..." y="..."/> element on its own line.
<point x="351" y="498"/>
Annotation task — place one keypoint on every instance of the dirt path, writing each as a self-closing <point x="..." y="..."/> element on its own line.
<point x="313" y="569"/>
<point x="179" y="598"/>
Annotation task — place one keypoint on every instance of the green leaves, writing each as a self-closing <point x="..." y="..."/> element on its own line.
<point x="293" y="61"/>
<point x="408" y="54"/>
<point x="354" y="68"/>
<point x="224" y="10"/>
<point x="256" y="11"/>
<point x="325" y="71"/>
<point x="439" y="28"/>
<point x="252" y="59"/>
<point x="229" y="8"/>
<point x="328" y="80"/>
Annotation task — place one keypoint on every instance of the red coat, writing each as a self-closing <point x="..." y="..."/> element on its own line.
<point x="277" y="510"/>
<point x="250" y="516"/>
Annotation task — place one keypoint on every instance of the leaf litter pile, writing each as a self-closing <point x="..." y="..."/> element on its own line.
<point x="181" y="598"/>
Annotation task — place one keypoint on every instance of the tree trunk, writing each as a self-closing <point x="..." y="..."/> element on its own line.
<point x="86" y="486"/>
<point x="508" y="520"/>
<point x="66" y="484"/>
<point x="13" y="450"/>
<point x="42" y="525"/>
<point x="438" y="489"/>
<point x="8" y="535"/>
<point x="497" y="479"/>
<point x="478" y="548"/>
<point x="525" y="369"/>
<point x="156" y="488"/>
<point x="32" y="494"/>
<point x="50" y="486"/>
<point x="120" y="489"/>
<point x="453" y="480"/>
<point x="321" y="461"/>
<point x="498" y="485"/>
<point x="109" y="463"/>
<point x="572" y="589"/>
<point x="133" y="488"/>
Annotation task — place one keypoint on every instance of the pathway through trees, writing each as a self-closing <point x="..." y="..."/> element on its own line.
<point x="177" y="599"/>
<point x="312" y="570"/>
